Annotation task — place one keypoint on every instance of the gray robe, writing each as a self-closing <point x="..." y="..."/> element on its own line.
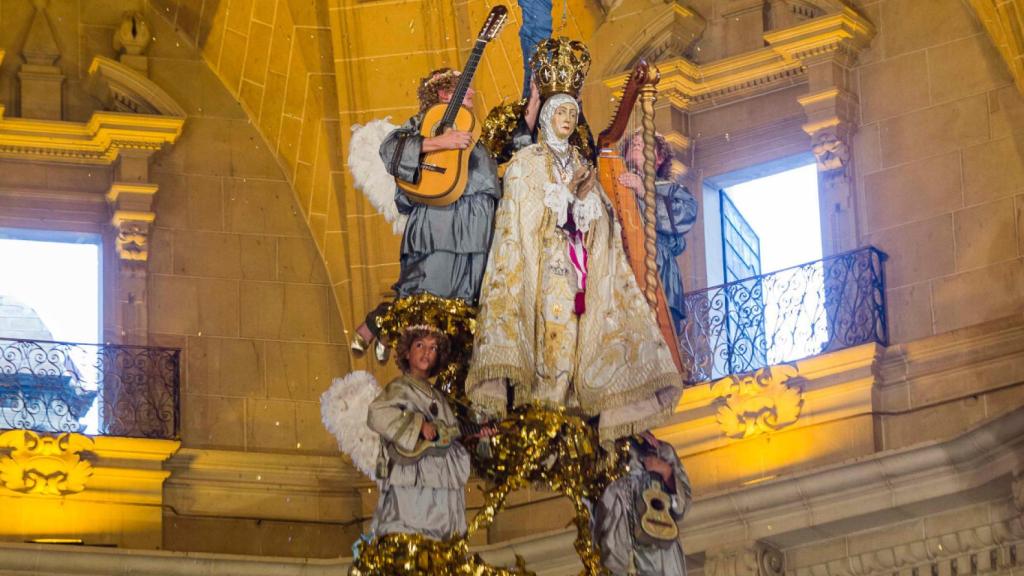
<point x="425" y="495"/>
<point x="617" y="517"/>
<point x="444" y="248"/>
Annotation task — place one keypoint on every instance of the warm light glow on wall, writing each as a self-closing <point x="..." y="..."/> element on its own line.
<point x="121" y="505"/>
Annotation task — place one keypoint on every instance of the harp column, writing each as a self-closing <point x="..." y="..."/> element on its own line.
<point x="828" y="52"/>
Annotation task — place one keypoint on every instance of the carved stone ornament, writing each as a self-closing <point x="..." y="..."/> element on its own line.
<point x="132" y="242"/>
<point x="48" y="465"/>
<point x="757" y="402"/>
<point x="831" y="153"/>
<point x="133" y="35"/>
<point x="751" y="559"/>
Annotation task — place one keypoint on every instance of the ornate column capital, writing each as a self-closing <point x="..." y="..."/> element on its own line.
<point x="132" y="218"/>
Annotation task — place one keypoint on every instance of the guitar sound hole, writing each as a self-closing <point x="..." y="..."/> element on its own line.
<point x="658" y="505"/>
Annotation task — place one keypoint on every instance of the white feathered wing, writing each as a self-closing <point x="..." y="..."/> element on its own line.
<point x="369" y="173"/>
<point x="343" y="408"/>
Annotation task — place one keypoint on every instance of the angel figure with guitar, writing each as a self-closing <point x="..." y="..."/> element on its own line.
<point x="639" y="514"/>
<point x="443" y="187"/>
<point x="422" y="465"/>
<point x="444" y="248"/>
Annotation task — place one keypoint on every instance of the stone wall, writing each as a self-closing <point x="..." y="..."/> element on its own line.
<point x="940" y="167"/>
<point x="235" y="278"/>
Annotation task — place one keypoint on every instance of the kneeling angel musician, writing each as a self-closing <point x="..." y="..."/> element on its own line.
<point x="639" y="514"/>
<point x="407" y="438"/>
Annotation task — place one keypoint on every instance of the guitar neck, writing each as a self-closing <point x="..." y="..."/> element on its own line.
<point x="465" y="79"/>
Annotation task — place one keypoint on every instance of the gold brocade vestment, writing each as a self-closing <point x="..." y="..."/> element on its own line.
<point x="612" y="361"/>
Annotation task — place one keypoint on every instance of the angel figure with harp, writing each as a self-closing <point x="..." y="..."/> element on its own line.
<point x="562" y="322"/>
<point x="675" y="213"/>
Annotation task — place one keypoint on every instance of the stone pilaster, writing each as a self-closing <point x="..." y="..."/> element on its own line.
<point x="132" y="219"/>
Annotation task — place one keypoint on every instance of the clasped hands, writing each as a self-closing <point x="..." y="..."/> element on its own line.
<point x="582" y="182"/>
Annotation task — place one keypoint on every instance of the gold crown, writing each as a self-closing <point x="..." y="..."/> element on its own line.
<point x="560" y="65"/>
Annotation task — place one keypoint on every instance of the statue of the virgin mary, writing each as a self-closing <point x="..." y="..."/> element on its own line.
<point x="562" y="322"/>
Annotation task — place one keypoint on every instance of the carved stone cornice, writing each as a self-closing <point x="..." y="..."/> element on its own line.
<point x="977" y="550"/>
<point x="1004" y="24"/>
<point x="694" y="87"/>
<point x="98" y="141"/>
<point x="831" y="44"/>
<point x="266" y="486"/>
<point x="844" y="33"/>
<point x="123" y="89"/>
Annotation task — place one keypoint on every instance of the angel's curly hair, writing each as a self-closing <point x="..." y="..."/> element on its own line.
<point x="432" y="84"/>
<point x="662" y="148"/>
<point x="410" y="336"/>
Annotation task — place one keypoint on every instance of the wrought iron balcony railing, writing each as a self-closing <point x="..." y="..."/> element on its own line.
<point x="810" y="309"/>
<point x="107" y="390"/>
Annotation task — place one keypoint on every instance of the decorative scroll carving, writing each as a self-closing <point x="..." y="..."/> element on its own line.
<point x="831" y="152"/>
<point x="757" y="402"/>
<point x="48" y="465"/>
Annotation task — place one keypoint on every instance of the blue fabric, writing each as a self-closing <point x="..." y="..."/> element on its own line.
<point x="676" y="212"/>
<point x="536" y="26"/>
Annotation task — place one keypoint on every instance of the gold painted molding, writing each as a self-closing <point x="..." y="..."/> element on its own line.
<point x="98" y="141"/>
<point x="1004" y="24"/>
<point x="758" y="402"/>
<point x="47" y="465"/>
<point x="692" y="87"/>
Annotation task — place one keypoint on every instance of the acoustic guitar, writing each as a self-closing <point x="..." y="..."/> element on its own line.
<point x="656" y="527"/>
<point x="445" y="173"/>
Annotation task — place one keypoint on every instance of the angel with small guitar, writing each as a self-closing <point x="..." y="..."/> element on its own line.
<point x="423" y="465"/>
<point x="639" y="514"/>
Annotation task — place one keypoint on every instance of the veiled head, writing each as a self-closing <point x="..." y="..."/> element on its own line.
<point x="558" y="117"/>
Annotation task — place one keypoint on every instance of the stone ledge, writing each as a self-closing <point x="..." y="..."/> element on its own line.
<point x="211" y="483"/>
<point x="847" y="498"/>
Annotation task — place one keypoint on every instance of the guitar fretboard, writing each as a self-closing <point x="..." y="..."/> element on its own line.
<point x="464" y="81"/>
